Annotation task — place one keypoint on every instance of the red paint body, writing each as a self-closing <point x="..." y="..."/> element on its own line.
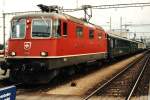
<point x="62" y="46"/>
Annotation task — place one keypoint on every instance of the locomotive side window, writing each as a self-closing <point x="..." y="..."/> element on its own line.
<point x="99" y="35"/>
<point x="41" y="28"/>
<point x="56" y="29"/>
<point x="91" y="34"/>
<point x="79" y="31"/>
<point x="65" y="28"/>
<point x="18" y="28"/>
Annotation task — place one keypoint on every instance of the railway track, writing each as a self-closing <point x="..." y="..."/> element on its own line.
<point x="124" y="83"/>
<point x="143" y="86"/>
<point x="138" y="79"/>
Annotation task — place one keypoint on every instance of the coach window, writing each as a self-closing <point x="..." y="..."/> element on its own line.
<point x="65" y="29"/>
<point x="41" y="28"/>
<point x="79" y="31"/>
<point x="18" y="28"/>
<point x="91" y="34"/>
<point x="111" y="43"/>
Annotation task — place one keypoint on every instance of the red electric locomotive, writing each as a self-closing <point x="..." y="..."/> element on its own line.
<point x="42" y="44"/>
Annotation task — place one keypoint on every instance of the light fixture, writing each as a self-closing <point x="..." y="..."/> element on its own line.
<point x="43" y="53"/>
<point x="28" y="21"/>
<point x="13" y="53"/>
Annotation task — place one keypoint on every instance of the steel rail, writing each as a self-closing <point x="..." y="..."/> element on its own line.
<point x="137" y="81"/>
<point x="106" y="83"/>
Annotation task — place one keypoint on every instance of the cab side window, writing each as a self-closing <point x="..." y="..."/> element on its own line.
<point x="56" y="29"/>
<point x="65" y="28"/>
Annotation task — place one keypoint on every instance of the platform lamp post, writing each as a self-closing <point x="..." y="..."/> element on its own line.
<point x="109" y="22"/>
<point x="4" y="33"/>
<point x="121" y="25"/>
<point x="3" y="11"/>
<point x="77" y="3"/>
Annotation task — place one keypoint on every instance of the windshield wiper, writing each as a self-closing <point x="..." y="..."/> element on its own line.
<point x="44" y="20"/>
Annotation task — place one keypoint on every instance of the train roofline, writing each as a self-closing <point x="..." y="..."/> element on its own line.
<point x="123" y="38"/>
<point x="58" y="15"/>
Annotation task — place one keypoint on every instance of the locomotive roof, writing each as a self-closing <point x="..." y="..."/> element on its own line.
<point x="60" y="16"/>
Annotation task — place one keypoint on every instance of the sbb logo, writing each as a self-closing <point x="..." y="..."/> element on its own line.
<point x="27" y="45"/>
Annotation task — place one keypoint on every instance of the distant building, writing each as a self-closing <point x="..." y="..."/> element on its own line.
<point x="119" y="32"/>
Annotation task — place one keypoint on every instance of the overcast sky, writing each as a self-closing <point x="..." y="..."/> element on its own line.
<point x="100" y="17"/>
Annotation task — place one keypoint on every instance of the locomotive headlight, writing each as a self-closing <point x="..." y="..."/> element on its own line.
<point x="43" y="53"/>
<point x="28" y="21"/>
<point x="13" y="53"/>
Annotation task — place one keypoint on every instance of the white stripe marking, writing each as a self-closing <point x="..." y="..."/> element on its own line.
<point x="55" y="56"/>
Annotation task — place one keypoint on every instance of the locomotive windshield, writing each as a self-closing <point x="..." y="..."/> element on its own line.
<point x="41" y="28"/>
<point x="18" y="28"/>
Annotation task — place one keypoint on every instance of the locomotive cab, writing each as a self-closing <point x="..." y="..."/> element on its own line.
<point x="31" y="36"/>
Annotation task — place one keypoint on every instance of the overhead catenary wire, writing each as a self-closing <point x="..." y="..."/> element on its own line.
<point x="94" y="7"/>
<point x="112" y="6"/>
<point x="81" y="8"/>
